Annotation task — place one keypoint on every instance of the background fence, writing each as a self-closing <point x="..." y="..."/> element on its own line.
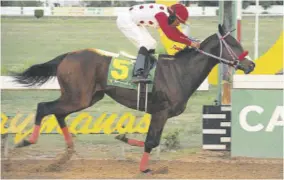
<point x="275" y="10"/>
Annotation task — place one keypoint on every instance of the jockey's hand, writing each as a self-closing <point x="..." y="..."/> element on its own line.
<point x="195" y="44"/>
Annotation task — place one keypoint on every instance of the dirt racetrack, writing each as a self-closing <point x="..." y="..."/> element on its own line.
<point x="194" y="166"/>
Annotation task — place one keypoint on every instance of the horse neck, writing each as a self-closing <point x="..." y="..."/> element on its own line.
<point x="197" y="68"/>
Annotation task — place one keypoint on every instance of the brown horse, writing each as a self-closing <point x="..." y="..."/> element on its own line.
<point x="82" y="76"/>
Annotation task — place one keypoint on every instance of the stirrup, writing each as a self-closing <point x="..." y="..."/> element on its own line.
<point x="140" y="79"/>
<point x="146" y="96"/>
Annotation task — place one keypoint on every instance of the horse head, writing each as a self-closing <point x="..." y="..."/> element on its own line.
<point x="232" y="50"/>
<point x="224" y="49"/>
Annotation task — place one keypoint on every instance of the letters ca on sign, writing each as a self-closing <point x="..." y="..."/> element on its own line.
<point x="276" y="119"/>
<point x="22" y="125"/>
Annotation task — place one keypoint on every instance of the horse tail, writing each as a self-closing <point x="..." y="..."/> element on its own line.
<point x="40" y="73"/>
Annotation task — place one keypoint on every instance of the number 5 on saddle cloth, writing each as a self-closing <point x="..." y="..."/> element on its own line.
<point x="120" y="74"/>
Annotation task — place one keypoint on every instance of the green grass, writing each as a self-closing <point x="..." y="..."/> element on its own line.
<point x="26" y="41"/>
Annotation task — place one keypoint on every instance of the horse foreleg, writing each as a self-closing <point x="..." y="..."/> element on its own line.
<point x="132" y="142"/>
<point x="153" y="138"/>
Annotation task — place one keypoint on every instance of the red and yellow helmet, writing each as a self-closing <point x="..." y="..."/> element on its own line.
<point x="180" y="11"/>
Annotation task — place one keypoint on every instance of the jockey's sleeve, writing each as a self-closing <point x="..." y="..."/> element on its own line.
<point x="171" y="32"/>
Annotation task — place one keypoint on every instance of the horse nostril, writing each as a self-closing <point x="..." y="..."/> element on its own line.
<point x="251" y="68"/>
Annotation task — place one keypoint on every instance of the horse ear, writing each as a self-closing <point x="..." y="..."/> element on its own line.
<point x="220" y="28"/>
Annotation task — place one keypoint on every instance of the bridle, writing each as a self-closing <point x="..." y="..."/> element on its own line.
<point x="235" y="62"/>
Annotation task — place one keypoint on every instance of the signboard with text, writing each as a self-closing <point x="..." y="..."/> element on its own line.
<point x="257" y="123"/>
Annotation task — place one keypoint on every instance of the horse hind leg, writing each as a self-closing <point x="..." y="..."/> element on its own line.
<point x="60" y="108"/>
<point x="43" y="109"/>
<point x="70" y="148"/>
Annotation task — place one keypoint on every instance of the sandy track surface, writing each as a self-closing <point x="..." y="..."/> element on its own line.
<point x="188" y="167"/>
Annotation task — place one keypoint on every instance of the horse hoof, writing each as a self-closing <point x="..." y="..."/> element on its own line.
<point x="161" y="170"/>
<point x="147" y="172"/>
<point x="121" y="137"/>
<point x="23" y="143"/>
<point x="53" y="168"/>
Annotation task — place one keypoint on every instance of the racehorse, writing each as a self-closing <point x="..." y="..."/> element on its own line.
<point x="82" y="76"/>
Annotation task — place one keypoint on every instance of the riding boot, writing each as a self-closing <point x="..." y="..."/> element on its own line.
<point x="151" y="51"/>
<point x="152" y="59"/>
<point x="140" y="65"/>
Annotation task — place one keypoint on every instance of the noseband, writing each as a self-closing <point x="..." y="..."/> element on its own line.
<point x="233" y="55"/>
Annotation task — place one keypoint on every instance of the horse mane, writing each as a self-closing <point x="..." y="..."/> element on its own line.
<point x="188" y="50"/>
<point x="183" y="51"/>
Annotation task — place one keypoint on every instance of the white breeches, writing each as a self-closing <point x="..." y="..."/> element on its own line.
<point x="138" y="35"/>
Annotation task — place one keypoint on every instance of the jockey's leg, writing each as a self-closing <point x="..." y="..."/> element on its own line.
<point x="147" y="46"/>
<point x="153" y="138"/>
<point x="152" y="58"/>
<point x="147" y="40"/>
<point x="142" y="39"/>
<point x="140" y="65"/>
<point x="129" y="29"/>
<point x="150" y="44"/>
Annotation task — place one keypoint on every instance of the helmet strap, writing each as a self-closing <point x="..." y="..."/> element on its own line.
<point x="172" y="16"/>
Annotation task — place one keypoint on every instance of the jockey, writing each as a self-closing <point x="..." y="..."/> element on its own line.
<point x="133" y="25"/>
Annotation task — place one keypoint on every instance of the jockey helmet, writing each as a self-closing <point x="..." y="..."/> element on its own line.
<point x="178" y="11"/>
